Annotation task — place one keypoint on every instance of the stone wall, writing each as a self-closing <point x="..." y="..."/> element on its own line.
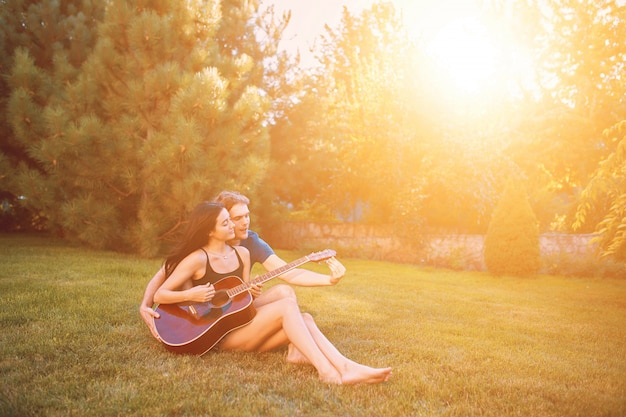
<point x="462" y="251"/>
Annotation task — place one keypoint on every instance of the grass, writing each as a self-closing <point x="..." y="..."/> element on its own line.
<point x="461" y="344"/>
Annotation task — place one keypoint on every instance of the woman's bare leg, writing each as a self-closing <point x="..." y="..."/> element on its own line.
<point x="282" y="316"/>
<point x="275" y="293"/>
<point x="295" y="356"/>
<point x="351" y="372"/>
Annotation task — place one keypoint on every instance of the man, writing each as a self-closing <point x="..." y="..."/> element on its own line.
<point x="260" y="251"/>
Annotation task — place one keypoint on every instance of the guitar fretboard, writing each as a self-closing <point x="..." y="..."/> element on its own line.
<point x="266" y="277"/>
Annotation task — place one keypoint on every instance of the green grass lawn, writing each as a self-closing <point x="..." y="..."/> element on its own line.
<point x="461" y="344"/>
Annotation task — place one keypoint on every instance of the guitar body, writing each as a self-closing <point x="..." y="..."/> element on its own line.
<point x="195" y="328"/>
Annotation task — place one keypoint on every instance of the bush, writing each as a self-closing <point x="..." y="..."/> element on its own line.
<point x="512" y="241"/>
<point x="582" y="266"/>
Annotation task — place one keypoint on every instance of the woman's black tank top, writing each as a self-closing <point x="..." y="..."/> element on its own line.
<point x="211" y="276"/>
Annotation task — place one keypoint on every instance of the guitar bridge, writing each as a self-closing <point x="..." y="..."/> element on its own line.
<point x="192" y="310"/>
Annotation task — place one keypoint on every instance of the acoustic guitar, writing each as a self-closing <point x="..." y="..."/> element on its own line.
<point x="194" y="328"/>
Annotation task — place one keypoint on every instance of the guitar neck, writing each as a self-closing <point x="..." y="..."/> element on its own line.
<point x="267" y="276"/>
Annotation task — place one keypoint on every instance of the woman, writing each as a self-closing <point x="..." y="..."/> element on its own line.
<point x="260" y="252"/>
<point x="203" y="257"/>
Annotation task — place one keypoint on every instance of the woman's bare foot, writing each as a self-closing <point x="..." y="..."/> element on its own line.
<point x="334" y="379"/>
<point x="331" y="377"/>
<point x="360" y="374"/>
<point x="353" y="373"/>
<point x="295" y="356"/>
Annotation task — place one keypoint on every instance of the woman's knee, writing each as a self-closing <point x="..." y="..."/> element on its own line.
<point x="280" y="307"/>
<point x="288" y="305"/>
<point x="284" y="291"/>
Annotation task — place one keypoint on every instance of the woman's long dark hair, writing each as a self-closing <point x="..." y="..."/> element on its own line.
<point x="202" y="221"/>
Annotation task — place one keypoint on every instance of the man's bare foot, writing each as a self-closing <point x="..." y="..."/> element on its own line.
<point x="361" y="374"/>
<point x="295" y="356"/>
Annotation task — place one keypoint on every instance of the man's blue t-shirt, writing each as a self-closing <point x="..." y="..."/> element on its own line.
<point x="259" y="250"/>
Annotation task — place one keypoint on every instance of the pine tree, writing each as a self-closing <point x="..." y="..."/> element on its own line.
<point x="166" y="111"/>
<point x="43" y="44"/>
<point x="512" y="241"/>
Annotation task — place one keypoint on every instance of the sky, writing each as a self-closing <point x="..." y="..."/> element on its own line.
<point x="421" y="17"/>
<point x="451" y="30"/>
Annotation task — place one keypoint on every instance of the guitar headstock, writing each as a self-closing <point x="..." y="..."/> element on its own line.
<point x="322" y="255"/>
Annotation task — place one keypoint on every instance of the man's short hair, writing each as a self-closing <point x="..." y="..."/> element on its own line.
<point x="230" y="198"/>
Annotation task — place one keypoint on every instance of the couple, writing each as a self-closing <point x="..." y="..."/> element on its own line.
<point x="217" y="244"/>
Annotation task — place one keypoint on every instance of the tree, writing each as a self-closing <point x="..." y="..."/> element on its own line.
<point x="512" y="241"/>
<point x="168" y="109"/>
<point x="608" y="185"/>
<point x="43" y="44"/>
<point x="360" y="124"/>
<point x="577" y="92"/>
<point x="53" y="33"/>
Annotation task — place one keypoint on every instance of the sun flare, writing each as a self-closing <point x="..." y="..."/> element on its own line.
<point x="463" y="51"/>
<point x="469" y="57"/>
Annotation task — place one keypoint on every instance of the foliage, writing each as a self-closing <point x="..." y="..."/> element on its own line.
<point x="359" y="129"/>
<point x="582" y="266"/>
<point x="458" y="149"/>
<point x="512" y="241"/>
<point x="461" y="344"/>
<point x="577" y="91"/>
<point x="15" y="218"/>
<point x="55" y="34"/>
<point x="608" y="184"/>
<point x="168" y="109"/>
<point x="43" y="37"/>
<point x="116" y="116"/>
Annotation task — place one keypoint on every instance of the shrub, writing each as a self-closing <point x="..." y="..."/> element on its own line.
<point x="582" y="266"/>
<point x="512" y="241"/>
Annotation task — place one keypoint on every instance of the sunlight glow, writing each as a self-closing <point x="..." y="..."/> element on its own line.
<point x="469" y="57"/>
<point x="308" y="20"/>
<point x="463" y="50"/>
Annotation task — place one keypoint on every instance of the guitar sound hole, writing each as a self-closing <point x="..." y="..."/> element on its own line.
<point x="220" y="298"/>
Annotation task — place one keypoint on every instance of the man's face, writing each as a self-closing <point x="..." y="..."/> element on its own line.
<point x="240" y="215"/>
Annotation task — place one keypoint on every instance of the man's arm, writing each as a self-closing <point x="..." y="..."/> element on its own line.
<point x="145" y="309"/>
<point x="305" y="277"/>
<point x="262" y="253"/>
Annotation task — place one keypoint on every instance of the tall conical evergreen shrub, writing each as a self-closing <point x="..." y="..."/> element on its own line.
<point x="512" y="242"/>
